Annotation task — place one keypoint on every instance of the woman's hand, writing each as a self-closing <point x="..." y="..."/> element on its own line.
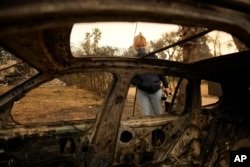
<point x="168" y="91"/>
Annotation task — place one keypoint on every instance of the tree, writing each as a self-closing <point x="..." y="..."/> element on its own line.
<point x="107" y="51"/>
<point x="86" y="45"/>
<point x="240" y="46"/>
<point x="97" y="82"/>
<point x="229" y="46"/>
<point x="166" y="39"/>
<point x="194" y="50"/>
<point x="90" y="45"/>
<point x="130" y="52"/>
<point x="96" y="33"/>
<point x="216" y="44"/>
<point x="12" y="69"/>
<point x="76" y="51"/>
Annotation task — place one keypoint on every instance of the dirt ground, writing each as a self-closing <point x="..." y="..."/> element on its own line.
<point x="50" y="103"/>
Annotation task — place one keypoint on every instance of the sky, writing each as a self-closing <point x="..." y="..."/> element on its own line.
<point x="120" y="34"/>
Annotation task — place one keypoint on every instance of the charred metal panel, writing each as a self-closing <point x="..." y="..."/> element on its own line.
<point x="23" y="152"/>
<point x="45" y="129"/>
<point x="104" y="134"/>
<point x="57" y="42"/>
<point x="20" y="90"/>
<point x="38" y="32"/>
<point x="8" y="98"/>
<point x="224" y="67"/>
<point x="214" y="89"/>
<point x="145" y="140"/>
<point x="47" y="50"/>
<point x="20" y="15"/>
<point x="29" y="47"/>
<point x="182" y="145"/>
<point x="5" y="113"/>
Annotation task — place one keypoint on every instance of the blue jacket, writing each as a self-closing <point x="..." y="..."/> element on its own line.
<point x="148" y="82"/>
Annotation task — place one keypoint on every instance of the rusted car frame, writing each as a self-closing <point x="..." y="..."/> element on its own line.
<point x="39" y="32"/>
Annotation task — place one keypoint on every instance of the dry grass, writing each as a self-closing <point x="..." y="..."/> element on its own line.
<point x="59" y="103"/>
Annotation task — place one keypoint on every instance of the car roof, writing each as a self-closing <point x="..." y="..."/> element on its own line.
<point x="38" y="32"/>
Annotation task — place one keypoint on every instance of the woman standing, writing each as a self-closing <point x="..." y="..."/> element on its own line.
<point x="148" y="85"/>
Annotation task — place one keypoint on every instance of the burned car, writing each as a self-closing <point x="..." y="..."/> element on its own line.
<point x="38" y="33"/>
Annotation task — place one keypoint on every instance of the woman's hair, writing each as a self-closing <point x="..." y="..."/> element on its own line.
<point x="139" y="41"/>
